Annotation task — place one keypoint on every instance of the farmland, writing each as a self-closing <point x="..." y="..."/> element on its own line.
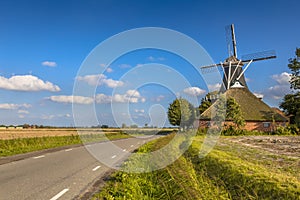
<point x="19" y="141"/>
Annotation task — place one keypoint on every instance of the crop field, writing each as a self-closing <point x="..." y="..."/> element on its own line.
<point x="16" y="141"/>
<point x="242" y="167"/>
<point x="31" y="133"/>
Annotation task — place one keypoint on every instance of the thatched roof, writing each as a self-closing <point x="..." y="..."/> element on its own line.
<point x="253" y="109"/>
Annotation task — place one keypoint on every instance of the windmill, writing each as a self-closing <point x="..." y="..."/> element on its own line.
<point x="234" y="68"/>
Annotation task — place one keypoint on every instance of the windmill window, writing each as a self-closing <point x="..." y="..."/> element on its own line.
<point x="266" y="124"/>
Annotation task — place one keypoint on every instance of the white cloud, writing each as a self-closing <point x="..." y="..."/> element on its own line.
<point x="194" y="91"/>
<point x="282" y="88"/>
<point x="258" y="95"/>
<point x="152" y="58"/>
<point x="159" y="98"/>
<point x="49" y="117"/>
<point x="247" y="79"/>
<point x="23" y="111"/>
<point x="111" y="83"/>
<point x="282" y="78"/>
<point x="71" y="99"/>
<point x="131" y="96"/>
<point x="123" y="66"/>
<point x="27" y="83"/>
<point x="139" y="111"/>
<point x="277" y="91"/>
<point x="214" y="87"/>
<point x="49" y="64"/>
<point x="21" y="116"/>
<point x="109" y="70"/>
<point x="102" y="65"/>
<point x="100" y="79"/>
<point x="11" y="106"/>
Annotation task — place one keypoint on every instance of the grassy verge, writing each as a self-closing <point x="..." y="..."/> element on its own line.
<point x="25" y="145"/>
<point x="228" y="172"/>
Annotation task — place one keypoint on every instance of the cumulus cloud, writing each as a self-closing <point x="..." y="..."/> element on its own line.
<point x="71" y="99"/>
<point x="23" y="111"/>
<point x="49" y="64"/>
<point x="282" y="78"/>
<point x="282" y="88"/>
<point x="100" y="79"/>
<point x="11" y="106"/>
<point x="109" y="70"/>
<point x="131" y="96"/>
<point x="27" y="83"/>
<point x="214" y="87"/>
<point x="277" y="91"/>
<point x="194" y="91"/>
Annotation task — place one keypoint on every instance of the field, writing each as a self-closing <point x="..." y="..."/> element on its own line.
<point x="31" y="133"/>
<point x="244" y="167"/>
<point x="16" y="141"/>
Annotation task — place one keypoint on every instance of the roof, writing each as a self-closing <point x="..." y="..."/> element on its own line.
<point x="253" y="108"/>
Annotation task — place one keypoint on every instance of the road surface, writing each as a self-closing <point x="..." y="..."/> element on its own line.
<point x="64" y="174"/>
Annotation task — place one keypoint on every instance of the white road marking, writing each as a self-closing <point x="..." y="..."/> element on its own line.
<point x="124" y="149"/>
<point x="68" y="149"/>
<point x="42" y="156"/>
<point x="114" y="156"/>
<point x="60" y="194"/>
<point x="131" y="145"/>
<point x="96" y="168"/>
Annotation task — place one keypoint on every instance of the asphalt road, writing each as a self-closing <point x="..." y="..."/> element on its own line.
<point x="64" y="174"/>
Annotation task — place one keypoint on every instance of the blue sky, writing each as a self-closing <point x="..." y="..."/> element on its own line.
<point x="44" y="43"/>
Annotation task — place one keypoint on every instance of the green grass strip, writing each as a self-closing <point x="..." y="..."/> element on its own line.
<point x="243" y="179"/>
<point x="25" y="145"/>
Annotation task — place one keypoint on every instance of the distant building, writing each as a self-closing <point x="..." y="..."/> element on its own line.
<point x="257" y="114"/>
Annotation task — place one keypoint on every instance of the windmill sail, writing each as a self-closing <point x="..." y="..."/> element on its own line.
<point x="259" y="56"/>
<point x="230" y="39"/>
<point x="233" y="68"/>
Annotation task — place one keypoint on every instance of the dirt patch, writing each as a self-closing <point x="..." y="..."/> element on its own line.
<point x="283" y="145"/>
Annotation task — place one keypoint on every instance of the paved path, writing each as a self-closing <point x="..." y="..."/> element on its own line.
<point x="64" y="174"/>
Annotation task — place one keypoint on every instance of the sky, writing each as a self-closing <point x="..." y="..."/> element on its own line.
<point x="46" y="47"/>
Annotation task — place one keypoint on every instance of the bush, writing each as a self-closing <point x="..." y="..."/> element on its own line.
<point x="288" y="130"/>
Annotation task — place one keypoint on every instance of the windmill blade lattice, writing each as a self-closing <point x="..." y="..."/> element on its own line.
<point x="264" y="55"/>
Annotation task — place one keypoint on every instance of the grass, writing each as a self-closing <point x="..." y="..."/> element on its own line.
<point x="230" y="171"/>
<point x="49" y="138"/>
<point x="25" y="145"/>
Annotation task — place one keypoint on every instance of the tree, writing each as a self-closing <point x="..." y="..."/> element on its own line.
<point x="294" y="66"/>
<point x="205" y="104"/>
<point x="291" y="102"/>
<point x="291" y="107"/>
<point x="234" y="113"/>
<point x="181" y="113"/>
